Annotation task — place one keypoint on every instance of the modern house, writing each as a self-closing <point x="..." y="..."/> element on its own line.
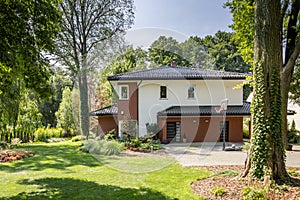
<point x="184" y="102"/>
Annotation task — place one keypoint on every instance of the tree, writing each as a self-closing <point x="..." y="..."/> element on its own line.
<point x="28" y="30"/>
<point x="267" y="153"/>
<point x="243" y="18"/>
<point x="224" y="53"/>
<point x="130" y="59"/>
<point x="49" y="106"/>
<point x="164" y="51"/>
<point x="267" y="149"/>
<point x="85" y="24"/>
<point x="65" y="117"/>
<point x="193" y="50"/>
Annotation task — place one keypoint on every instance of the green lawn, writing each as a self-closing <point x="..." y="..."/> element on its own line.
<point x="57" y="171"/>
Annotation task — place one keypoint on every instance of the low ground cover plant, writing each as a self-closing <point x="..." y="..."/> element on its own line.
<point x="218" y="191"/>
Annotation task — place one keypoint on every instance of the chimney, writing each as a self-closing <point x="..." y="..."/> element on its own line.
<point x="173" y="64"/>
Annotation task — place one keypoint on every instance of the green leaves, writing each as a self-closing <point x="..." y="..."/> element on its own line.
<point x="65" y="116"/>
<point x="27" y="32"/>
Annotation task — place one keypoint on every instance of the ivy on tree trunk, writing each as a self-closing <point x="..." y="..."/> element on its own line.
<point x="267" y="154"/>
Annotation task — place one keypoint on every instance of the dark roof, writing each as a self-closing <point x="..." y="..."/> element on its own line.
<point x="204" y="110"/>
<point x="176" y="73"/>
<point x="106" y="111"/>
<point x="186" y="110"/>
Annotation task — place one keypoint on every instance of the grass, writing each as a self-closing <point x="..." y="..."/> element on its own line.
<point x="57" y="171"/>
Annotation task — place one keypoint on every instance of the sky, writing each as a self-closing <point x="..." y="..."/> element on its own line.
<point x="177" y="18"/>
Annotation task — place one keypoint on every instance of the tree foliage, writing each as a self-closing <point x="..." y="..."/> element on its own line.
<point x="196" y="53"/>
<point x="128" y="60"/>
<point x="28" y="30"/>
<point x="65" y="114"/>
<point x="217" y="51"/>
<point x="85" y="24"/>
<point x="223" y="50"/>
<point x="49" y="106"/>
<point x="243" y="24"/>
<point x="243" y="18"/>
<point x="166" y="50"/>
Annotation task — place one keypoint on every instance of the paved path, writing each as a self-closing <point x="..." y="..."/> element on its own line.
<point x="208" y="154"/>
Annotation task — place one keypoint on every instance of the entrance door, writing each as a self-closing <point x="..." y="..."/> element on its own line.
<point x="226" y="131"/>
<point x="173" y="131"/>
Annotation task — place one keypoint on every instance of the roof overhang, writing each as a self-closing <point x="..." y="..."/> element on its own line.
<point x="243" y="110"/>
<point x="106" y="111"/>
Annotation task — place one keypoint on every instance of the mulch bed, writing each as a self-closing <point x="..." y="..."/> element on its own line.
<point x="233" y="186"/>
<point x="13" y="155"/>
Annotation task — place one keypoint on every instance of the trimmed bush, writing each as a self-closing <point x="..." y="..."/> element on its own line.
<point x="42" y="134"/>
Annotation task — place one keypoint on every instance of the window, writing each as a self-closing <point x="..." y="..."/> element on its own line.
<point x="124" y="92"/>
<point x="163" y="92"/>
<point x="191" y="92"/>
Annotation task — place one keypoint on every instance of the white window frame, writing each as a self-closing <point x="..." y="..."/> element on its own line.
<point x="127" y="89"/>
<point x="193" y="92"/>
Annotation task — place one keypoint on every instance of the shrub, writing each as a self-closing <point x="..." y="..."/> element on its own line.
<point x="112" y="148"/>
<point x="293" y="134"/>
<point x="135" y="143"/>
<point x="42" y="134"/>
<point x="105" y="147"/>
<point x="218" y="191"/>
<point x="254" y="193"/>
<point x="52" y="140"/>
<point x="156" y="146"/>
<point x="246" y="128"/>
<point x="111" y="135"/>
<point x="78" y="138"/>
<point x="93" y="147"/>
<point x="15" y="142"/>
<point x="3" y="145"/>
<point x="145" y="146"/>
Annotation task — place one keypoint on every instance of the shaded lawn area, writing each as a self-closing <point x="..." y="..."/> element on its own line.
<point x="57" y="171"/>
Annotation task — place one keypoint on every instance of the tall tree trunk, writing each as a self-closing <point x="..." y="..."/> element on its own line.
<point x="83" y="92"/>
<point x="267" y="148"/>
<point x="289" y="62"/>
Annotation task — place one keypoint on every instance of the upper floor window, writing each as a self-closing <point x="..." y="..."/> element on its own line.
<point x="124" y="92"/>
<point x="191" y="92"/>
<point x="163" y="92"/>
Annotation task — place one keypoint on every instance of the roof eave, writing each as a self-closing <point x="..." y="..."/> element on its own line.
<point x="175" y="78"/>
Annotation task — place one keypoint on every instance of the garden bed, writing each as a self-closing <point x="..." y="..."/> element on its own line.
<point x="13" y="155"/>
<point x="233" y="187"/>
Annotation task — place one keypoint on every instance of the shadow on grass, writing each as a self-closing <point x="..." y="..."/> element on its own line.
<point x="69" y="188"/>
<point x="57" y="156"/>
